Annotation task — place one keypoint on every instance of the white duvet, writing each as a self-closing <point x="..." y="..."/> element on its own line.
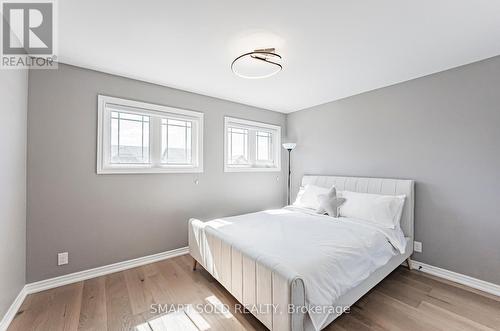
<point x="330" y="255"/>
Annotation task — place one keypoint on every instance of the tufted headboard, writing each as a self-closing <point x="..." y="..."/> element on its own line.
<point x="373" y="185"/>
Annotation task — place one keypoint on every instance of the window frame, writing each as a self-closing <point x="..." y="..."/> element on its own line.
<point x="107" y="104"/>
<point x="253" y="126"/>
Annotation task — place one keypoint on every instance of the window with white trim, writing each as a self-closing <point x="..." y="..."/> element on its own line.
<point x="138" y="137"/>
<point x="251" y="146"/>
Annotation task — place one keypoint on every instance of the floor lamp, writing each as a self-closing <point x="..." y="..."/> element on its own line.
<point x="289" y="147"/>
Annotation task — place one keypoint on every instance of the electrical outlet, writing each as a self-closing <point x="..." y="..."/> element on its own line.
<point x="417" y="246"/>
<point x="62" y="258"/>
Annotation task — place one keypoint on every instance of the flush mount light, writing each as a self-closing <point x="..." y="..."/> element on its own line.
<point x="261" y="63"/>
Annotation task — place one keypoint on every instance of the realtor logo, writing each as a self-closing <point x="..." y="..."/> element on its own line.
<point x="28" y="34"/>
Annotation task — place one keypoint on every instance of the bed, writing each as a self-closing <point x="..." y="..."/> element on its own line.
<point x="296" y="270"/>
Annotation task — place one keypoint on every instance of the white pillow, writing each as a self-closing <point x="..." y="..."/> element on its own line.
<point x="308" y="196"/>
<point x="382" y="210"/>
<point x="332" y="194"/>
<point x="330" y="204"/>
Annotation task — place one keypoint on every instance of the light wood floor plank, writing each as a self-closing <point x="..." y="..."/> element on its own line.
<point x="139" y="293"/>
<point x="57" y="309"/>
<point x="65" y="308"/>
<point x="174" y="321"/>
<point x="33" y="312"/>
<point x="450" y="319"/>
<point x="391" y="314"/>
<point x="118" y="309"/>
<point x="405" y="300"/>
<point x="93" y="315"/>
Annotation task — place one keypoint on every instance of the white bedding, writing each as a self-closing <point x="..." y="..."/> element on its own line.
<point x="330" y="255"/>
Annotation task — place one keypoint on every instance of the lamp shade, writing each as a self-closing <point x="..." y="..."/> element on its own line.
<point x="289" y="146"/>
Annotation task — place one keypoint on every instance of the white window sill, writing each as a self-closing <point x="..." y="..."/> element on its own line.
<point x="251" y="169"/>
<point x="147" y="170"/>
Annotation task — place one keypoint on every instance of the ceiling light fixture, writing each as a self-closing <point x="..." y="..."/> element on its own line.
<point x="261" y="63"/>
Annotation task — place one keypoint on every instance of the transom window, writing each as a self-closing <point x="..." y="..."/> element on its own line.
<point x="137" y="137"/>
<point x="251" y="146"/>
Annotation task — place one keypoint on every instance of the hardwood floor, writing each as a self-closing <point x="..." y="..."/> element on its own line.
<point x="406" y="300"/>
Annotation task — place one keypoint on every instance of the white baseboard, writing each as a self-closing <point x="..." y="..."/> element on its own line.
<point x="14" y="307"/>
<point x="83" y="275"/>
<point x="457" y="278"/>
<point x="104" y="270"/>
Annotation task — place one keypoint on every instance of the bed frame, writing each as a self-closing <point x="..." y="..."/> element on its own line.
<point x="253" y="284"/>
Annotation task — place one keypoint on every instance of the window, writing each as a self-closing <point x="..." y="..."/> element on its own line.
<point x="238" y="146"/>
<point x="251" y="146"/>
<point x="176" y="141"/>
<point x="129" y="138"/>
<point x="137" y="137"/>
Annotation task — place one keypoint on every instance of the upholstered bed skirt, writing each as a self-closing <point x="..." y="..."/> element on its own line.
<point x="266" y="294"/>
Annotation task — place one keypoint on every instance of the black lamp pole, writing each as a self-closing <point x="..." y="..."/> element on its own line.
<point x="289" y="174"/>
<point x="289" y="147"/>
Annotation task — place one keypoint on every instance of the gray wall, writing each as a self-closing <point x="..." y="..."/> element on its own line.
<point x="443" y="131"/>
<point x="102" y="219"/>
<point x="13" y="109"/>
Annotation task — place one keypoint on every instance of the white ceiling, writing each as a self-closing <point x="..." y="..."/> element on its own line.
<point x="331" y="49"/>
